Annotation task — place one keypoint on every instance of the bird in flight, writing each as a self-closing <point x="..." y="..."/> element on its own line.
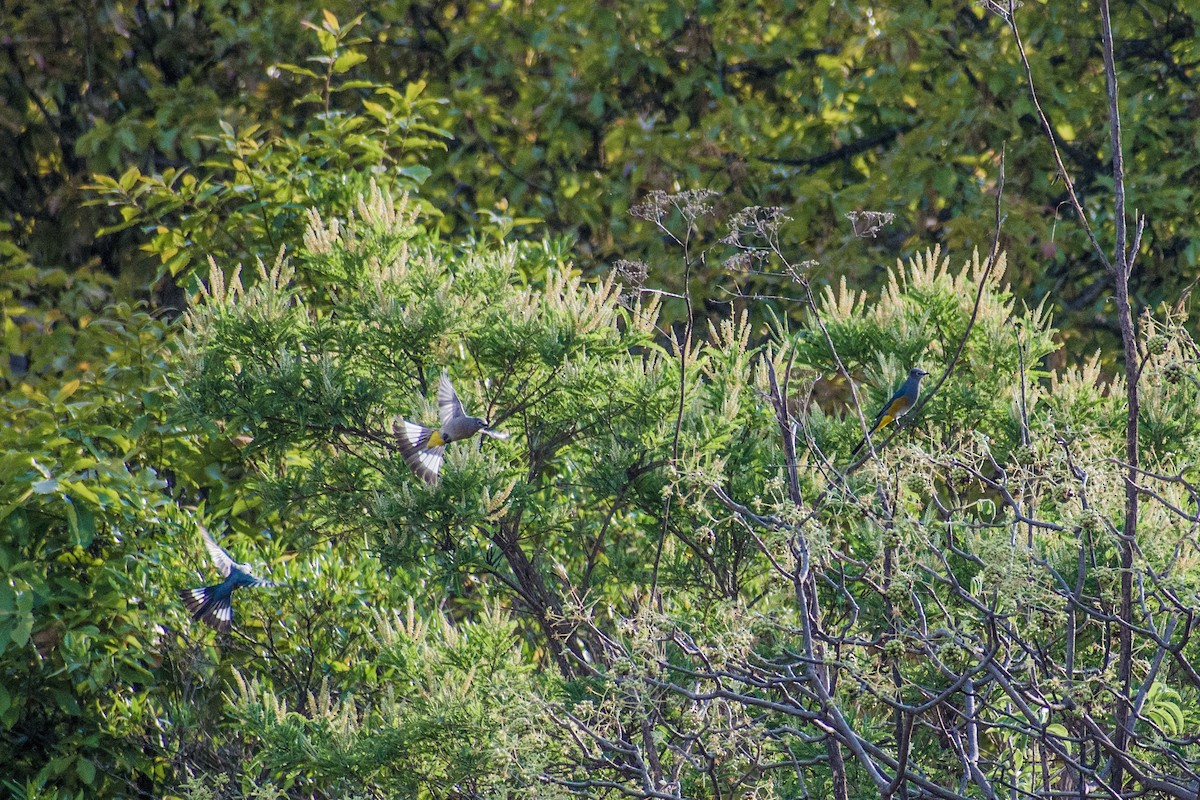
<point x="214" y="604"/>
<point x="423" y="449"/>
<point x="900" y="404"/>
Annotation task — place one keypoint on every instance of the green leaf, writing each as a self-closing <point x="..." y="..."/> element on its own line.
<point x="129" y="178"/>
<point x="1057" y="730"/>
<point x="347" y="61"/>
<point x="417" y="172"/>
<point x="86" y="771"/>
<point x="81" y="519"/>
<point x="298" y="70"/>
<point x="20" y="631"/>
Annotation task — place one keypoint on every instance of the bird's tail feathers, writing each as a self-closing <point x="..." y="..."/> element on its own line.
<point x="413" y="434"/>
<point x="207" y="605"/>
<point x="881" y="422"/>
<point x="413" y="440"/>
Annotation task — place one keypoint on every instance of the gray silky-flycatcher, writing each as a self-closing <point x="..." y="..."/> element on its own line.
<point x="423" y="449"/>
<point x="214" y="604"/>
<point x="900" y="404"/>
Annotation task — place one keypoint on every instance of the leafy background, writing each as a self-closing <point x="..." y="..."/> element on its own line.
<point x="145" y="139"/>
<point x="559" y="118"/>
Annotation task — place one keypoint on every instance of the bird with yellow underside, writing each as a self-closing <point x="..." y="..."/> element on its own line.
<point x="900" y="404"/>
<point x="424" y="449"/>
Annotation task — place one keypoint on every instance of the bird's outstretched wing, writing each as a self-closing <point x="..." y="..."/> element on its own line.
<point x="220" y="558"/>
<point x="449" y="406"/>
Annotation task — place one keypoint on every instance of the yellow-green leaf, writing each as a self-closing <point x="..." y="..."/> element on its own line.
<point x="66" y="390"/>
<point x="347" y="61"/>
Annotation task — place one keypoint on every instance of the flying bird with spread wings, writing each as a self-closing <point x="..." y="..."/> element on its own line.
<point x="424" y="449"/>
<point x="214" y="604"/>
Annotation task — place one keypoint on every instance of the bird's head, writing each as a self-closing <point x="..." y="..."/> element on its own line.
<point x="917" y="373"/>
<point x="485" y="428"/>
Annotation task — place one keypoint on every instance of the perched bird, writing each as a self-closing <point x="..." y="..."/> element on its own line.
<point x="213" y="604"/>
<point x="424" y="448"/>
<point x="900" y="404"/>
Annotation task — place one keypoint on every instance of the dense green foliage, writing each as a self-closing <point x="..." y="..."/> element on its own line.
<point x="569" y="114"/>
<point x="107" y="688"/>
<point x="671" y="581"/>
<point x="86" y="535"/>
<point x="606" y="521"/>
